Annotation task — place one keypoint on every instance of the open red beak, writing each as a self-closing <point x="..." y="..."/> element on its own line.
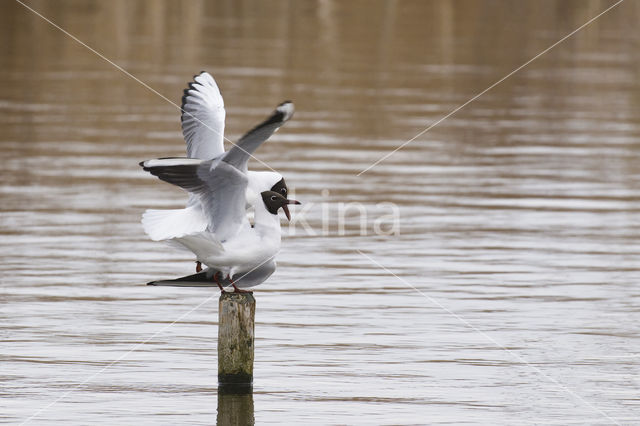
<point x="286" y="208"/>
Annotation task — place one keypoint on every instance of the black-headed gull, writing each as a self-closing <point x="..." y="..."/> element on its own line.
<point x="203" y="120"/>
<point x="229" y="243"/>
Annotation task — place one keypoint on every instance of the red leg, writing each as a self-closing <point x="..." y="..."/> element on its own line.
<point x="236" y="289"/>
<point x="217" y="280"/>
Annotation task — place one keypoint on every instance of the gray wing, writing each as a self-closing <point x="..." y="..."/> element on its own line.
<point x="256" y="276"/>
<point x="205" y="278"/>
<point x="203" y="117"/>
<point x="221" y="188"/>
<point x="238" y="156"/>
<point x="222" y="182"/>
<point x="224" y="200"/>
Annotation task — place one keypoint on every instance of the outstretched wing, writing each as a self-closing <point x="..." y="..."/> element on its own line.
<point x="221" y="183"/>
<point x="203" y="118"/>
<point x="238" y="156"/>
<point x="221" y="188"/>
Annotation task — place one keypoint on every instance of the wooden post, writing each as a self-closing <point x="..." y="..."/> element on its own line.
<point x="236" y="317"/>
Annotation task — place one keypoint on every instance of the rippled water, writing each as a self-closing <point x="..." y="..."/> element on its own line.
<point x="509" y="296"/>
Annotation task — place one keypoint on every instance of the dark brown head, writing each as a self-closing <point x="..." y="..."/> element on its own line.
<point x="273" y="201"/>
<point x="281" y="188"/>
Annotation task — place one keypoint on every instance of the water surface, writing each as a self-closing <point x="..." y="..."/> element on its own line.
<point x="508" y="297"/>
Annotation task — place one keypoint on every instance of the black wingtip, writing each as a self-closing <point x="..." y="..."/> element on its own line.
<point x="285" y="110"/>
<point x="153" y="283"/>
<point x="185" y="94"/>
<point x="141" y="164"/>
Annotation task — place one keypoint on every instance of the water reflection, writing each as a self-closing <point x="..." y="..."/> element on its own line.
<point x="235" y="406"/>
<point x="519" y="213"/>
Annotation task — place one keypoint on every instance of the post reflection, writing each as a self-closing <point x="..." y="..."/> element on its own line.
<point x="235" y="405"/>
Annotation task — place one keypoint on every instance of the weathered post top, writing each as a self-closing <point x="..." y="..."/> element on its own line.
<point x="236" y="316"/>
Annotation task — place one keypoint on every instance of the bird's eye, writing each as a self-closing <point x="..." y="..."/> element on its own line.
<point x="284" y="191"/>
<point x="273" y="198"/>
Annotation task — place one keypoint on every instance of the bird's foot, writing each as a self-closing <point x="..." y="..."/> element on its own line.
<point x="198" y="266"/>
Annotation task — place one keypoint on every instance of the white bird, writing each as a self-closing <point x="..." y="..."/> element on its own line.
<point x="229" y="243"/>
<point x="203" y="130"/>
<point x="203" y="122"/>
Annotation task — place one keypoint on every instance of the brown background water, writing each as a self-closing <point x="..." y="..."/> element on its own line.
<point x="518" y="215"/>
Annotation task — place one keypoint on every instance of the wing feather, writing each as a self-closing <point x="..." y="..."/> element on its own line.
<point x="183" y="175"/>
<point x="221" y="182"/>
<point x="239" y="154"/>
<point x="220" y="186"/>
<point x="203" y="117"/>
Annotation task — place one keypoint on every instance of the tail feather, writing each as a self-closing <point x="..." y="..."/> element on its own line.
<point x="201" y="243"/>
<point x="167" y="224"/>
